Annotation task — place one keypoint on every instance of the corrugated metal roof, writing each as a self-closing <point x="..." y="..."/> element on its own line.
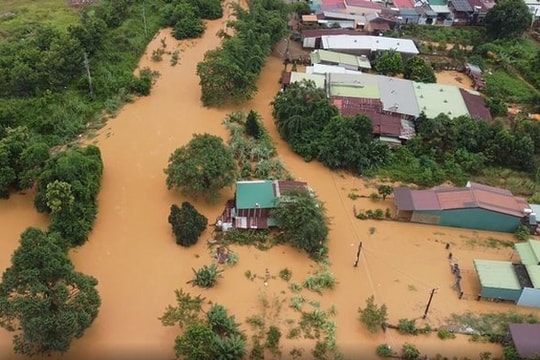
<point x="359" y="91"/>
<point x="367" y="42"/>
<point x="363" y="4"/>
<point x="403" y="4"/>
<point x="329" y="69"/>
<point x="526" y="339"/>
<point x="440" y="9"/>
<point x="318" y="79"/>
<point x="534" y="275"/>
<point x="475" y="105"/>
<point x="456" y="198"/>
<point x="434" y="99"/>
<point x="498" y="200"/>
<point x="497" y="274"/>
<point x="321" y="56"/>
<point x="249" y="194"/>
<point x="461" y="5"/>
<point x="529" y="252"/>
<point x="407" y="199"/>
<point x="397" y="95"/>
<point x="314" y="33"/>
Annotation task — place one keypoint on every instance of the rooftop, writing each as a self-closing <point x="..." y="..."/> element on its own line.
<point x="461" y="5"/>
<point x="397" y="95"/>
<point x="525" y="338"/>
<point x="363" y="4"/>
<point x="529" y="252"/>
<point x="255" y="194"/>
<point x="403" y="4"/>
<point x="321" y="56"/>
<point x="318" y="79"/>
<point x="434" y="99"/>
<point x="534" y="275"/>
<point x="367" y="42"/>
<point x="476" y="105"/>
<point x="320" y="32"/>
<point x="325" y="69"/>
<point x="497" y="274"/>
<point x="358" y="91"/>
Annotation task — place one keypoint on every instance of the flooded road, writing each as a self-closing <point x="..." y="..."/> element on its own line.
<point x="133" y="254"/>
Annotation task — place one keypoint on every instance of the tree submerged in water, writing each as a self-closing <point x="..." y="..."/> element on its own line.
<point x="187" y="224"/>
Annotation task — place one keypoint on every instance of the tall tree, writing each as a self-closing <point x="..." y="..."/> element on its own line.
<point x="202" y="167"/>
<point x="43" y="299"/>
<point x="417" y="69"/>
<point x="389" y="63"/>
<point x="508" y="19"/>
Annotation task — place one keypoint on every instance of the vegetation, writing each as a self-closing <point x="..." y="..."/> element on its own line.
<point x="303" y="220"/>
<point x="445" y="334"/>
<point x="285" y="274"/>
<point x="43" y="299"/>
<point x="215" y="335"/>
<point x="372" y="316"/>
<point x="322" y="279"/>
<point x="410" y="352"/>
<point x="187" y="224"/>
<point x="67" y="188"/>
<point x="185" y="16"/>
<point x="207" y="276"/>
<point x="417" y="69"/>
<point x="507" y="19"/>
<point x="389" y="63"/>
<point x="384" y="350"/>
<point x="523" y="233"/>
<point x="202" y="167"/>
<point x="229" y="73"/>
<point x="385" y="190"/>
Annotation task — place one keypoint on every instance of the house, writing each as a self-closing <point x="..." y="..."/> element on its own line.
<point x="353" y="85"/>
<point x="310" y="20"/>
<point x="475" y="73"/>
<point x="294" y="76"/>
<point x="378" y="23"/>
<point x="518" y="282"/>
<point x="348" y="61"/>
<point x="253" y="203"/>
<point x="398" y="96"/>
<point x="474" y="206"/>
<point x="440" y="7"/>
<point x="462" y="11"/>
<point x="311" y="38"/>
<point x="476" y="106"/>
<point x="362" y="7"/>
<point x="368" y="45"/>
<point x="434" y="99"/>
<point x="526" y="339"/>
<point x="327" y="69"/>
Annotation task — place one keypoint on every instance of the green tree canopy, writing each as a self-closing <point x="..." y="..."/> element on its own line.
<point x="43" y="299"/>
<point x="417" y="69"/>
<point x="303" y="221"/>
<point x="187" y="224"/>
<point x="202" y="167"/>
<point x="373" y="316"/>
<point x="507" y="19"/>
<point x="389" y="63"/>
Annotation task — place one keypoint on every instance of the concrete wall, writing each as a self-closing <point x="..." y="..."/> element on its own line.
<point x="529" y="297"/>
<point x="473" y="218"/>
<point x="503" y="294"/>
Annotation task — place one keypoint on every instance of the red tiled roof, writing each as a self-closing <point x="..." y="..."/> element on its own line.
<point x="475" y="105"/>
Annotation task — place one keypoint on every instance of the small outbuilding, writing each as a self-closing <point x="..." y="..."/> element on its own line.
<point x="526" y="339"/>
<point x="474" y="206"/>
<point x="498" y="280"/>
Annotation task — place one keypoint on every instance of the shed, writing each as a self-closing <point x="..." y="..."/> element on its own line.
<point x="526" y="339"/>
<point x="475" y="206"/>
<point x="498" y="280"/>
<point x="529" y="252"/>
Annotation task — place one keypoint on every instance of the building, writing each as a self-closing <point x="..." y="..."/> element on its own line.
<point x="476" y="106"/>
<point x="327" y="69"/>
<point x="311" y="38"/>
<point x="474" y="206"/>
<point x="368" y="45"/>
<point x="253" y="203"/>
<point x="518" y="282"/>
<point x="434" y="99"/>
<point x="526" y="339"/>
<point x="291" y="77"/>
<point x="348" y="61"/>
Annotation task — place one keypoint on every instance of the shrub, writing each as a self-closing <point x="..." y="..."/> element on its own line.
<point x="373" y="316"/>
<point x="206" y="277"/>
<point x="445" y="334"/>
<point x="272" y="338"/>
<point x="384" y="350"/>
<point x="319" y="281"/>
<point x="187" y="224"/>
<point x="406" y="326"/>
<point x="285" y="274"/>
<point x="410" y="352"/>
<point x="523" y="233"/>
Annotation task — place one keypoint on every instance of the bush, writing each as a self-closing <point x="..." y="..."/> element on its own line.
<point x="285" y="274"/>
<point x="373" y="316"/>
<point x="319" y="281"/>
<point x="206" y="277"/>
<point x="410" y="352"/>
<point x="406" y="326"/>
<point x="272" y="338"/>
<point x="384" y="350"/>
<point x="187" y="224"/>
<point x="523" y="233"/>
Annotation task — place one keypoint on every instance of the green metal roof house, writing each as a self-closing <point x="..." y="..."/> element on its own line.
<point x="498" y="280"/>
<point x="347" y="61"/>
<point x="475" y="206"/>
<point x="434" y="99"/>
<point x="254" y="200"/>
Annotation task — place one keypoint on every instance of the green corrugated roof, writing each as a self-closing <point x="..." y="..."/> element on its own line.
<point x="437" y="2"/>
<point x="319" y="56"/>
<point x="434" y="99"/>
<point x="250" y="193"/>
<point x="318" y="79"/>
<point x="534" y="274"/>
<point x="497" y="274"/>
<point x="367" y="91"/>
<point x="529" y="252"/>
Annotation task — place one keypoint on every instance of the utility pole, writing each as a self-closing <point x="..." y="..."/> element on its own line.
<point x="429" y="302"/>
<point x="358" y="254"/>
<point x="87" y="66"/>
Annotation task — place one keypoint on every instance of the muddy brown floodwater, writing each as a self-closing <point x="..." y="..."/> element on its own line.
<point x="132" y="253"/>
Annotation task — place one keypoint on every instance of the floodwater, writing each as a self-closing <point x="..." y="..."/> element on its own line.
<point x="132" y="252"/>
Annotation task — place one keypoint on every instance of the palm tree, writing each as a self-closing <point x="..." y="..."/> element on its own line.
<point x="230" y="348"/>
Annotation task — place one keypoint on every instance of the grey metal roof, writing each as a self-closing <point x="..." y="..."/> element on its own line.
<point x="461" y="5"/>
<point x="397" y="95"/>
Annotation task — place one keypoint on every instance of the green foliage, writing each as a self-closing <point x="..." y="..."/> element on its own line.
<point x="187" y="224"/>
<point x="385" y="190"/>
<point x="384" y="350"/>
<point x="202" y="167"/>
<point x="407" y="326"/>
<point x="410" y="352"/>
<point x="389" y="63"/>
<point x="230" y="348"/>
<point x="373" y="316"/>
<point x="285" y="274"/>
<point x="221" y="323"/>
<point x="507" y="19"/>
<point x="303" y="221"/>
<point x="322" y="279"/>
<point x="523" y="233"/>
<point x="253" y="125"/>
<point x="81" y="169"/>
<point x="186" y="312"/>
<point x="207" y="276"/>
<point x="463" y="35"/>
<point x="273" y="336"/>
<point x="43" y="299"/>
<point x="417" y="69"/>
<point x="496" y="107"/>
<point x="444" y="334"/>
<point x="198" y="342"/>
<point x="491" y="324"/>
<point x="229" y="73"/>
<point x="59" y="196"/>
<point x="143" y="84"/>
<point x="500" y="84"/>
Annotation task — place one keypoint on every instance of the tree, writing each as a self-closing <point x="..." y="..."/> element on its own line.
<point x="385" y="190"/>
<point x="221" y="323"/>
<point x="417" y="69"/>
<point x="197" y="343"/>
<point x="187" y="224"/>
<point x="389" y="63"/>
<point x="252" y="126"/>
<point x="508" y="19"/>
<point x="373" y="316"/>
<point x="206" y="277"/>
<point x="202" y="167"/>
<point x="43" y="299"/>
<point x="230" y="348"/>
<point x="303" y="221"/>
<point x="59" y="196"/>
<point x="410" y="352"/>
<point x="186" y="312"/>
<point x="188" y="27"/>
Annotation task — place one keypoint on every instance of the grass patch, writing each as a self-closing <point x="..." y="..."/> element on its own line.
<point x="25" y="14"/>
<point x="457" y="35"/>
<point x="509" y="88"/>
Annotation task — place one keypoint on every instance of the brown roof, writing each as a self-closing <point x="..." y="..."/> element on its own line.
<point x="526" y="338"/>
<point x="475" y="105"/>
<point x="473" y="196"/>
<point x="375" y="25"/>
<point x="363" y="4"/>
<point x="310" y="33"/>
